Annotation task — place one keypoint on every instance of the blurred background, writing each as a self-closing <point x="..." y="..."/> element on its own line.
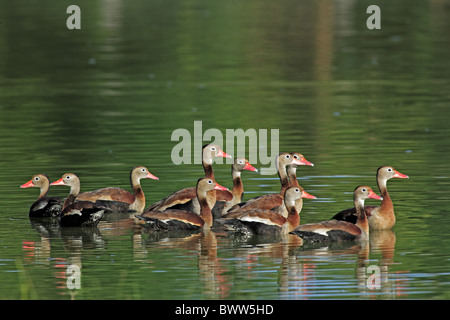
<point x="103" y="99"/>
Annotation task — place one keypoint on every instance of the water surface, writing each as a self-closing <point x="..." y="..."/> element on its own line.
<point x="101" y="100"/>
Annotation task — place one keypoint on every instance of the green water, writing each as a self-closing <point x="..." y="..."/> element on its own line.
<point x="101" y="100"/>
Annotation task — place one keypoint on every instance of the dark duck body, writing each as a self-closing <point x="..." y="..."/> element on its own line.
<point x="185" y="199"/>
<point x="77" y="213"/>
<point x="120" y="200"/>
<point x="379" y="217"/>
<point x="335" y="231"/>
<point x="44" y="206"/>
<point x="266" y="221"/>
<point x="176" y="219"/>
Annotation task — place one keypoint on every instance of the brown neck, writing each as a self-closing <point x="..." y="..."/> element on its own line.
<point x="74" y="191"/>
<point x="209" y="173"/>
<point x="386" y="204"/>
<point x="139" y="196"/>
<point x="283" y="177"/>
<point x="43" y="191"/>
<point x="292" y="174"/>
<point x="238" y="187"/>
<point x="361" y="220"/>
<point x="69" y="200"/>
<point x="293" y="218"/>
<point x="139" y="199"/>
<point x="207" y="163"/>
<point x="205" y="211"/>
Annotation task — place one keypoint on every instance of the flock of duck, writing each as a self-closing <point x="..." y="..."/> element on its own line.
<point x="210" y="205"/>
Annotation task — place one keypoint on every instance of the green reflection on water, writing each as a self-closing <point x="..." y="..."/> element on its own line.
<point x="103" y="99"/>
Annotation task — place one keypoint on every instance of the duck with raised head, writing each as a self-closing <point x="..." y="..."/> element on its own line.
<point x="333" y="231"/>
<point x="273" y="201"/>
<point x="266" y="221"/>
<point x="380" y="217"/>
<point x="185" y="199"/>
<point x="77" y="213"/>
<point x="239" y="165"/>
<point x="120" y="200"/>
<point x="175" y="219"/>
<point x="43" y="206"/>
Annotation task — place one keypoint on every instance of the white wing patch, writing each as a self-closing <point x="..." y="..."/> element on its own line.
<point x="257" y="219"/>
<point x="322" y="231"/>
<point x="78" y="212"/>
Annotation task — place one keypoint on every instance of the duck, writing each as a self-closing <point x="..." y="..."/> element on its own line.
<point x="273" y="201"/>
<point x="176" y="219"/>
<point x="266" y="221"/>
<point x="120" y="200"/>
<point x="380" y="217"/>
<point x="337" y="231"/>
<point x="77" y="213"/>
<point x="239" y="165"/>
<point x="185" y="199"/>
<point x="43" y="206"/>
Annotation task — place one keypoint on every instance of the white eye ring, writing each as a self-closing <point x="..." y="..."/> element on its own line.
<point x="389" y="169"/>
<point x="213" y="148"/>
<point x="36" y="179"/>
<point x="364" y="190"/>
<point x="287" y="156"/>
<point x="210" y="181"/>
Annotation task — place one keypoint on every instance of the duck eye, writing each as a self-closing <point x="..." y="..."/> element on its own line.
<point x="295" y="156"/>
<point x="213" y="148"/>
<point x="364" y="190"/>
<point x="143" y="170"/>
<point x="210" y="181"/>
<point x="287" y="156"/>
<point x="297" y="190"/>
<point x="389" y="169"/>
<point x="36" y="179"/>
<point x="68" y="177"/>
<point x="241" y="162"/>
